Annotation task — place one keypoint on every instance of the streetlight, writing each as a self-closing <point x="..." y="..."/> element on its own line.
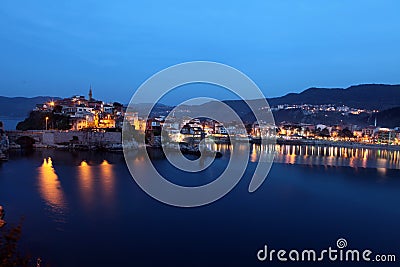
<point x="47" y="118"/>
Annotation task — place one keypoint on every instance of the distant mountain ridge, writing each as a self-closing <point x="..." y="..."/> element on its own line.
<point x="389" y="118"/>
<point x="19" y="107"/>
<point x="368" y="96"/>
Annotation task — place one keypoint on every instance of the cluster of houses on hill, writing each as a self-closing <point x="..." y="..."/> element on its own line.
<point x="89" y="114"/>
<point x="188" y="130"/>
<point x="371" y="134"/>
<point x="86" y="113"/>
<point x="196" y="130"/>
<point x="312" y="109"/>
<point x="94" y="115"/>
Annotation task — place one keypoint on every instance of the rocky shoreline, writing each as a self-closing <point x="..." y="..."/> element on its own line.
<point x="4" y="146"/>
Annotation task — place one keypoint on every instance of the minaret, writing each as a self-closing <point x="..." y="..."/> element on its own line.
<point x="375" y="121"/>
<point x="90" y="93"/>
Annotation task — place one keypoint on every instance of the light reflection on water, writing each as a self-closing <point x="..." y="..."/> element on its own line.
<point x="85" y="178"/>
<point x="331" y="156"/>
<point x="107" y="178"/>
<point x="97" y="179"/>
<point x="50" y="189"/>
<point x="321" y="155"/>
<point x="133" y="225"/>
<point x="91" y="179"/>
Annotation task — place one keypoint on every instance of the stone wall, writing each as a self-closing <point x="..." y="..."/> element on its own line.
<point x="78" y="137"/>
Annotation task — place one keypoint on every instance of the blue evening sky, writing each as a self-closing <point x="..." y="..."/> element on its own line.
<point x="59" y="48"/>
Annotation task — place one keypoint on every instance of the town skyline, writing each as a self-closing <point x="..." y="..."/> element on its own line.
<point x="326" y="122"/>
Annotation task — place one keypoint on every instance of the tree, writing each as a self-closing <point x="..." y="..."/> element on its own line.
<point x="346" y="133"/>
<point x="37" y="121"/>
<point x="130" y="133"/>
<point x="117" y="105"/>
<point x="324" y="133"/>
<point x="9" y="237"/>
<point x="57" y="109"/>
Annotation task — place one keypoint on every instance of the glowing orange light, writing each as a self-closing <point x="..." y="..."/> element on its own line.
<point x="85" y="175"/>
<point x="49" y="185"/>
<point x="84" y="164"/>
<point x="108" y="178"/>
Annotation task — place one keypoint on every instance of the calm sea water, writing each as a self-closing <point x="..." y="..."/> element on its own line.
<point x="84" y="209"/>
<point x="10" y="123"/>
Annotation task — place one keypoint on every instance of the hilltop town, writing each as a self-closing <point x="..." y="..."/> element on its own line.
<point x="81" y="122"/>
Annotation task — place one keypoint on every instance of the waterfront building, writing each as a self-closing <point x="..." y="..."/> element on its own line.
<point x="75" y="111"/>
<point x="386" y="136"/>
<point x="369" y="131"/>
<point x="153" y="131"/>
<point x="131" y="117"/>
<point x="104" y="121"/>
<point x="108" y="109"/>
<point x="220" y="129"/>
<point x="358" y="134"/>
<point x="78" y="123"/>
<point x="191" y="133"/>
